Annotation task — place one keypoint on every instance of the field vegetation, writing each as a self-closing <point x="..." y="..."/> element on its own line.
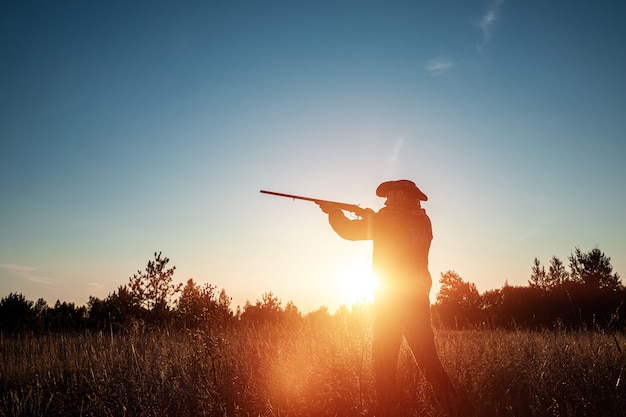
<point x="318" y="365"/>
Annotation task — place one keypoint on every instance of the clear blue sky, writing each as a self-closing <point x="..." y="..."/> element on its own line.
<point x="133" y="127"/>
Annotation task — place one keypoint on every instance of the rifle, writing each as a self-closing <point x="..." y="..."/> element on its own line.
<point x="352" y="208"/>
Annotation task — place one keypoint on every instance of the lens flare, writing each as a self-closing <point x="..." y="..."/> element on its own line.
<point x="357" y="283"/>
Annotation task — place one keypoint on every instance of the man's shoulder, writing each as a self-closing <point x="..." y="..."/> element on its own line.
<point x="402" y="211"/>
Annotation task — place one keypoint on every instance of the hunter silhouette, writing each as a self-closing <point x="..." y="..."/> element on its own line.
<point x="401" y="233"/>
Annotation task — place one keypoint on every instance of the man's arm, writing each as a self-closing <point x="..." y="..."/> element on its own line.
<point x="350" y="229"/>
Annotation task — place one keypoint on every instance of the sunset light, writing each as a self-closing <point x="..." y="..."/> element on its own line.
<point x="357" y="283"/>
<point x="313" y="208"/>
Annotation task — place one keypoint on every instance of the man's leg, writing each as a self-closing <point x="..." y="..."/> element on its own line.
<point x="387" y="335"/>
<point x="421" y="338"/>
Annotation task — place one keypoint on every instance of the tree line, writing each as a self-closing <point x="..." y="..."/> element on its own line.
<point x="588" y="296"/>
<point x="150" y="298"/>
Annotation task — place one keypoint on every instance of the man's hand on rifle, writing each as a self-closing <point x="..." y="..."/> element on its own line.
<point x="367" y="212"/>
<point x="327" y="207"/>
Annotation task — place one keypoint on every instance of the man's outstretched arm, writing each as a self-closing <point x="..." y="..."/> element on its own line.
<point x="350" y="229"/>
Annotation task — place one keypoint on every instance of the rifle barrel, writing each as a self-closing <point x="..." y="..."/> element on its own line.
<point x="354" y="208"/>
<point x="295" y="197"/>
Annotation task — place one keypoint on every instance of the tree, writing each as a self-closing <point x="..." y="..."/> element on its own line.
<point x="66" y="316"/>
<point x="538" y="276"/>
<point x="456" y="291"/>
<point x="491" y="305"/>
<point x="593" y="269"/>
<point x="201" y="306"/>
<point x="119" y="309"/>
<point x="557" y="275"/>
<point x="153" y="287"/>
<point x="458" y="301"/>
<point x="40" y="313"/>
<point x="293" y="317"/>
<point x="319" y="319"/>
<point x="16" y="312"/>
<point x="123" y="305"/>
<point x="97" y="313"/>
<point x="548" y="281"/>
<point x="224" y="312"/>
<point x="268" y="309"/>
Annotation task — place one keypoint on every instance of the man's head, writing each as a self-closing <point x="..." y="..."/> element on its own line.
<point x="400" y="190"/>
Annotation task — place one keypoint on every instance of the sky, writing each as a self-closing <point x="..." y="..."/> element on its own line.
<point x="129" y="128"/>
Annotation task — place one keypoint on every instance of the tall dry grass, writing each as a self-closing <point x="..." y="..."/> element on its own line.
<point x="317" y="368"/>
<point x="538" y="374"/>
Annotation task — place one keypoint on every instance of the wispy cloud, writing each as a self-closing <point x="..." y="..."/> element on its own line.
<point x="442" y="65"/>
<point x="97" y="288"/>
<point x="16" y="268"/>
<point x="487" y="22"/>
<point x="439" y="66"/>
<point x="26" y="272"/>
<point x="525" y="236"/>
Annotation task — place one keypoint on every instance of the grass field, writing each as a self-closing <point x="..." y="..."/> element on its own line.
<point x="319" y="367"/>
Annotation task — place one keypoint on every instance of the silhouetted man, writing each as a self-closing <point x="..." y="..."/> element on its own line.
<point x="401" y="233"/>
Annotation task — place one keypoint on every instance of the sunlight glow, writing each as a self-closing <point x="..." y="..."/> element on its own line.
<point x="357" y="283"/>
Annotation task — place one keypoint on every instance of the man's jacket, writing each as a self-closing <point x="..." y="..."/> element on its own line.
<point x="401" y="238"/>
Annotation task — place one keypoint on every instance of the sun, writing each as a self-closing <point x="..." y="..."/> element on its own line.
<point x="357" y="283"/>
